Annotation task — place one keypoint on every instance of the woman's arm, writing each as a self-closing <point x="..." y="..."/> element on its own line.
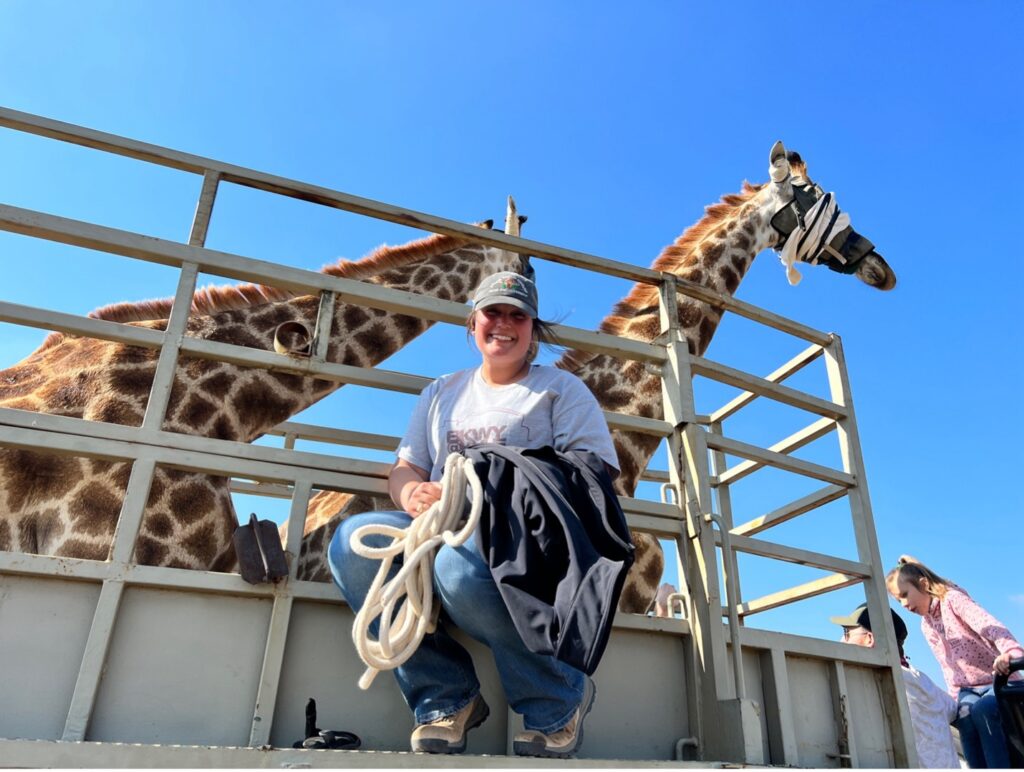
<point x="410" y="489"/>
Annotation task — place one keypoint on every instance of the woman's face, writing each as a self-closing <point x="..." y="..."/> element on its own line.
<point x="503" y="333"/>
<point x="911" y="598"/>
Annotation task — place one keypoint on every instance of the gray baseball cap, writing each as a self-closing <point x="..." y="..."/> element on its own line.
<point x="507" y="287"/>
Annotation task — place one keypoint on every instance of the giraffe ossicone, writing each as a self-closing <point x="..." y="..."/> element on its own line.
<point x="69" y="506"/>
<point x="716" y="253"/>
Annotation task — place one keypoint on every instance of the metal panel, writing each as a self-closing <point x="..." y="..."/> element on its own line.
<point x="182" y="668"/>
<point x="813" y="718"/>
<point x="44" y="624"/>
<point x="869" y="731"/>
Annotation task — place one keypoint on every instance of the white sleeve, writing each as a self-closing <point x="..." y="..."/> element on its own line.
<point x="415" y="445"/>
<point x="578" y="423"/>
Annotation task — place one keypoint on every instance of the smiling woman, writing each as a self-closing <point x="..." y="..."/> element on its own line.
<point x="509" y="401"/>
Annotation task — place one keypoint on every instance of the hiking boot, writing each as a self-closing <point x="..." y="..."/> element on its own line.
<point x="448" y="733"/>
<point x="563" y="742"/>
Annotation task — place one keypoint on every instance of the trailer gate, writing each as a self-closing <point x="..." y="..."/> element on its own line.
<point x="109" y="663"/>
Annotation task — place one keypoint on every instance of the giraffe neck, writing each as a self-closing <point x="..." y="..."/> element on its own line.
<point x="715" y="253"/>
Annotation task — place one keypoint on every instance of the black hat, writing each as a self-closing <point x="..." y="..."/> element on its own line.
<point x="859" y="618"/>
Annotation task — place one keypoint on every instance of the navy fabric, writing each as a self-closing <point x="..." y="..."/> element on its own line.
<point x="557" y="544"/>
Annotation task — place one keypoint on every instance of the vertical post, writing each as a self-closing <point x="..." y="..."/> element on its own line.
<point x="280" y="618"/>
<point x="844" y="720"/>
<point x="724" y="497"/>
<point x="688" y="471"/>
<point x="83" y="699"/>
<point x="905" y="751"/>
<point x="163" y="379"/>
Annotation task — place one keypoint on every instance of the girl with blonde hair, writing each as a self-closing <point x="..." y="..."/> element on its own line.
<point x="971" y="645"/>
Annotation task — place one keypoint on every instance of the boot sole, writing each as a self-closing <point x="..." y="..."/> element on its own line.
<point x="542" y="750"/>
<point x="443" y="746"/>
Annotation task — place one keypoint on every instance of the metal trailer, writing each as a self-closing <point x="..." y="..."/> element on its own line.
<point x="113" y="664"/>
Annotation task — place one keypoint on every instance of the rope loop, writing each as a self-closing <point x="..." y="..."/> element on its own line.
<point x="403" y="624"/>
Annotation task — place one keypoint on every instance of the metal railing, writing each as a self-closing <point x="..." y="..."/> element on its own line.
<point x="693" y="438"/>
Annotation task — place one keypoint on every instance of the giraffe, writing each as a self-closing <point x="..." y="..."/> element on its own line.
<point x="68" y="506"/>
<point x="716" y="253"/>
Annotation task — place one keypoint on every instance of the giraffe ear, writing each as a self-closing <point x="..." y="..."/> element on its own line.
<point x="293" y="339"/>
<point x="778" y="164"/>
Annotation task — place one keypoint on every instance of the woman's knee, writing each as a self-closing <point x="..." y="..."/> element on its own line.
<point x="342" y="559"/>
<point x="463" y="581"/>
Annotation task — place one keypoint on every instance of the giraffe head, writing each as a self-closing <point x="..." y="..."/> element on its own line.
<point x="808" y="226"/>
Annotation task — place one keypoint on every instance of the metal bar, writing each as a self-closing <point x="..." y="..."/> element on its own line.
<point x="239" y="175"/>
<point x="728" y="572"/>
<point x="778" y="676"/>
<point x="91" y="236"/>
<point x="268" y="490"/>
<point x="88" y="682"/>
<point x="45" y="319"/>
<point x="337" y="436"/>
<point x="190" y="460"/>
<point x="280" y="617"/>
<point x="689" y="474"/>
<point x="163" y="378"/>
<point x="794" y="365"/>
<point x="324" y="320"/>
<point x="794" y="509"/>
<point x="204" y="209"/>
<point x="844" y="720"/>
<point x="798" y="593"/>
<point x="784" y="394"/>
<point x="795" y="441"/>
<point x="132" y="508"/>
<point x="724" y="496"/>
<point x="815" y="648"/>
<point x="904" y="746"/>
<point x="781" y="461"/>
<point x="767" y="549"/>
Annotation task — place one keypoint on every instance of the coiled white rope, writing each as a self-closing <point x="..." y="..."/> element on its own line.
<point x="811" y="237"/>
<point x="400" y="634"/>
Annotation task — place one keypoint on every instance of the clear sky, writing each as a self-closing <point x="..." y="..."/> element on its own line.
<point x="612" y="128"/>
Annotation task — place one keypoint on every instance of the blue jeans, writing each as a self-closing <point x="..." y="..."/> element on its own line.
<point x="981" y="730"/>
<point x="439" y="679"/>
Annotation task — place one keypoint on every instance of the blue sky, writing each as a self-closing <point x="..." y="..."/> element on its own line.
<point x="613" y="128"/>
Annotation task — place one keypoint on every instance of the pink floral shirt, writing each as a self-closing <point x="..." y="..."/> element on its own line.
<point x="966" y="640"/>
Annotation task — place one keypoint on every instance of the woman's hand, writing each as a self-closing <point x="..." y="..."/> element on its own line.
<point x="421" y="497"/>
<point x="1002" y="664"/>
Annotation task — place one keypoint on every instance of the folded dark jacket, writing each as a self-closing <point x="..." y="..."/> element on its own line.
<point x="557" y="544"/>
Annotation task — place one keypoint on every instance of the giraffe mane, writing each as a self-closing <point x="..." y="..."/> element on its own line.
<point x="214" y="299"/>
<point x="672" y="257"/>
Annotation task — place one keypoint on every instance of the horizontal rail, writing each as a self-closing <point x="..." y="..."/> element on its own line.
<point x="162" y="577"/>
<point x="791" y="367"/>
<point x="779" y="461"/>
<point x="797" y="593"/>
<point x="803" y="646"/>
<point x="41" y="318"/>
<point x="767" y="549"/>
<point x="112" y="442"/>
<point x="733" y="377"/>
<point x="348" y="437"/>
<point x="114" y="241"/>
<point x="796" y="508"/>
<point x="795" y="441"/>
<point x="239" y="175"/>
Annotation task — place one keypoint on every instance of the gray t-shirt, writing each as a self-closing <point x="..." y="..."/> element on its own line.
<point x="547" y="407"/>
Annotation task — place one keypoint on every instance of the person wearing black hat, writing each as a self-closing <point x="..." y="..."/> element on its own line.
<point x="931" y="709"/>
